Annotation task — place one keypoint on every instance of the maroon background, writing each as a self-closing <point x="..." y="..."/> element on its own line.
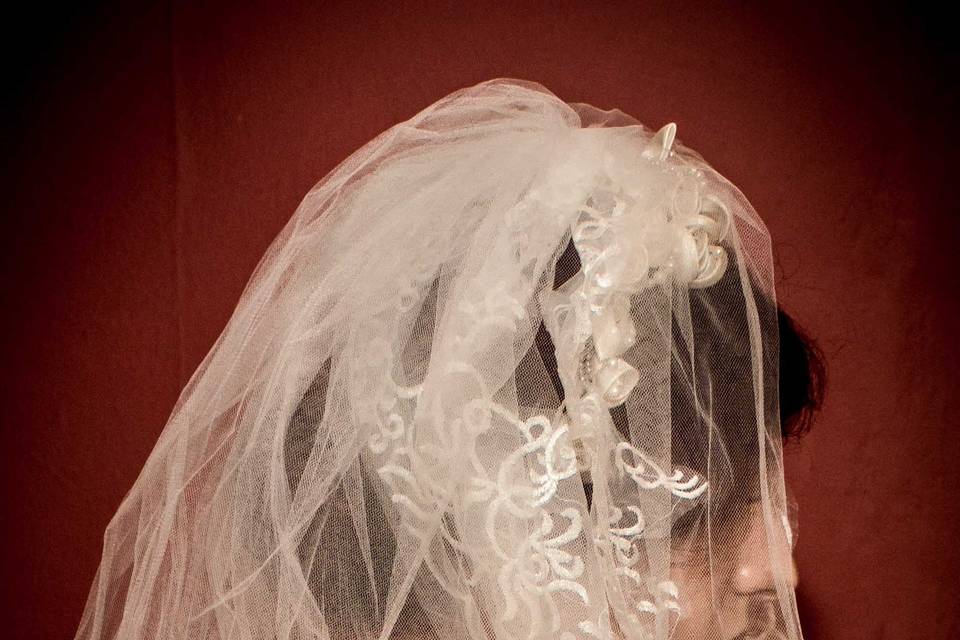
<point x="152" y="154"/>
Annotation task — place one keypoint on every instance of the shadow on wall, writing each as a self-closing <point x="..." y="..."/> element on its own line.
<point x="809" y="616"/>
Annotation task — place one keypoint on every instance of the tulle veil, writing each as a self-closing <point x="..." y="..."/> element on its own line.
<point x="507" y="369"/>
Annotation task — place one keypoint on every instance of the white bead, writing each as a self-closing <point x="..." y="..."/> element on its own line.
<point x="613" y="329"/>
<point x="614" y="381"/>
<point x="714" y="209"/>
<point x="716" y="264"/>
<point x="686" y="257"/>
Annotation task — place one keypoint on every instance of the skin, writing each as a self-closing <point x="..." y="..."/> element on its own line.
<point x="732" y="597"/>
<point x="743" y="593"/>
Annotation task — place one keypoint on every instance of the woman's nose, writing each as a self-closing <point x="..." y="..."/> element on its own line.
<point x="762" y="556"/>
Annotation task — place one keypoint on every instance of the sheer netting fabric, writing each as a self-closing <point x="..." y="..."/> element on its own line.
<point x="509" y="372"/>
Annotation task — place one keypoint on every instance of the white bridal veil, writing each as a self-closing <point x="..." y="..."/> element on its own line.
<point x="509" y="371"/>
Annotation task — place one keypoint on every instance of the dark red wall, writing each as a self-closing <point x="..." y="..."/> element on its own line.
<point x="151" y="155"/>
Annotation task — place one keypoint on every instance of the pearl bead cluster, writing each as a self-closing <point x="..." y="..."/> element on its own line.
<point x="617" y="261"/>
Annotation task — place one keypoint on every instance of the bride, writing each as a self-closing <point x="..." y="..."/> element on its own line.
<point x="514" y="369"/>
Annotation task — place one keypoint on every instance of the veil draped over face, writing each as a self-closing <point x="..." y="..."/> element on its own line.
<point x="509" y="372"/>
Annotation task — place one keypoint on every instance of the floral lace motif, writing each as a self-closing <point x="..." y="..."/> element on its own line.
<point x="432" y="480"/>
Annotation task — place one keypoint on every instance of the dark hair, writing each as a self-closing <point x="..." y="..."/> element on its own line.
<point x="793" y="385"/>
<point x="801" y="365"/>
<point x="793" y="364"/>
<point x="802" y="378"/>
